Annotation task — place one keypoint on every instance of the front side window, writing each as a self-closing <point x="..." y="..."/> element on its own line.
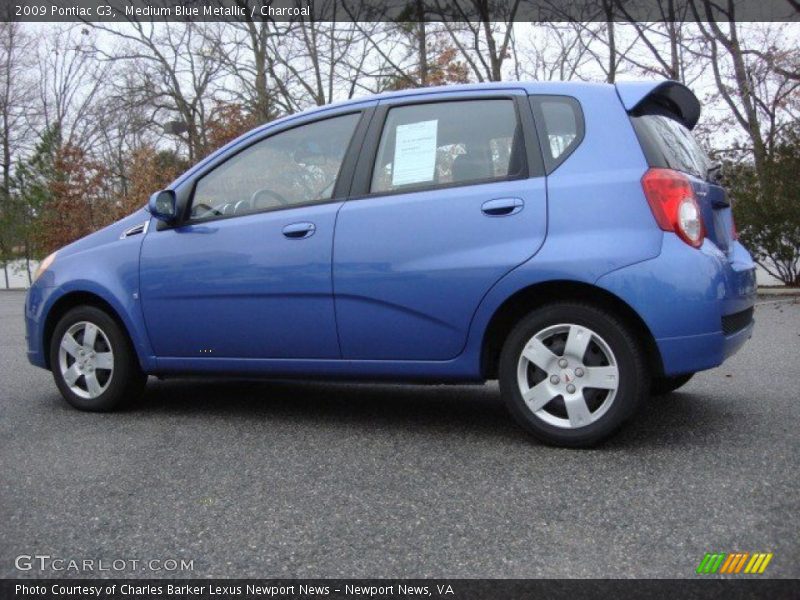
<point x="292" y="168"/>
<point x="446" y="143"/>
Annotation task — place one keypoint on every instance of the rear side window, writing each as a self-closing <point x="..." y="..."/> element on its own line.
<point x="559" y="121"/>
<point x="669" y="144"/>
<point x="448" y="143"/>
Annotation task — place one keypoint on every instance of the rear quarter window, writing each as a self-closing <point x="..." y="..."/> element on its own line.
<point x="559" y="123"/>
<point x="669" y="144"/>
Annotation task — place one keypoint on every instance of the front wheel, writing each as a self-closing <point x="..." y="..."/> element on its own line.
<point x="572" y="373"/>
<point x="93" y="362"/>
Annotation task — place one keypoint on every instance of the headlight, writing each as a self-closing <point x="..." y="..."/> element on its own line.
<point x="44" y="265"/>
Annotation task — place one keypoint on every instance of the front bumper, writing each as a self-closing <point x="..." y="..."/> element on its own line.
<point x="35" y="302"/>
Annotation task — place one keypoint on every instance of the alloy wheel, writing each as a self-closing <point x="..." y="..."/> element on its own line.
<point x="86" y="360"/>
<point x="567" y="375"/>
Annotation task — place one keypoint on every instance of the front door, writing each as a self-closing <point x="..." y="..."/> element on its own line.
<point x="454" y="199"/>
<point x="248" y="274"/>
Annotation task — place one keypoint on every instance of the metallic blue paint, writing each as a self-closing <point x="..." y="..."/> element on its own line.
<point x="410" y="269"/>
<point x="404" y="287"/>
<point x="102" y="265"/>
<point x="238" y="288"/>
<point x="683" y="294"/>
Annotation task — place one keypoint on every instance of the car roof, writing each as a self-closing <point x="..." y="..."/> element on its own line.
<point x="529" y="86"/>
<point x="532" y="87"/>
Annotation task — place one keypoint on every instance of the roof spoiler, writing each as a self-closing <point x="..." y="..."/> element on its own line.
<point x="670" y="95"/>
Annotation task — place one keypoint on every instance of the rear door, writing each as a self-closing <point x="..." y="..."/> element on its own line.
<point x="449" y="195"/>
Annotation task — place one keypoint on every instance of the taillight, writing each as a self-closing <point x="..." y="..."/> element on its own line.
<point x="674" y="205"/>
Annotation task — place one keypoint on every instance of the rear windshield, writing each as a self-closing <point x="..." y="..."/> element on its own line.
<point x="669" y="144"/>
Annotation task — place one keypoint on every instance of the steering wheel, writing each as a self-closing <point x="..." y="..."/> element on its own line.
<point x="207" y="209"/>
<point x="265" y="193"/>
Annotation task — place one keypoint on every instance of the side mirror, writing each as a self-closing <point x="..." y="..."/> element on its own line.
<point x="162" y="206"/>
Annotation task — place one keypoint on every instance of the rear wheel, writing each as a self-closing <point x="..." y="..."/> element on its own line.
<point x="571" y="374"/>
<point x="93" y="362"/>
<point x="665" y="385"/>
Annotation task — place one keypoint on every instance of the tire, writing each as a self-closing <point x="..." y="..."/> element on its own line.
<point x="98" y="375"/>
<point x="576" y="413"/>
<point x="665" y="385"/>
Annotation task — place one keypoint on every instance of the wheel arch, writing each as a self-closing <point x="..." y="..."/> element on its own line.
<point x="69" y="301"/>
<point x="525" y="300"/>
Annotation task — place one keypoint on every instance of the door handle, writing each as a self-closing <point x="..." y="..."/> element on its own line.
<point x="299" y="231"/>
<point x="502" y="207"/>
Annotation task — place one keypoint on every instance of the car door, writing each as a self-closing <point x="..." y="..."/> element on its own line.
<point x="449" y="195"/>
<point x="247" y="274"/>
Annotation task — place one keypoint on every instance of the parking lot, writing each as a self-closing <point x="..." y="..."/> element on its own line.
<point x="312" y="479"/>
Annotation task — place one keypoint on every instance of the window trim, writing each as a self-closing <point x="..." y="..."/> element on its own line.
<point x="339" y="186"/>
<point x="535" y="100"/>
<point x="362" y="181"/>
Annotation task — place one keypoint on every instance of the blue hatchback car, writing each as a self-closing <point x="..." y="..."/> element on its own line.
<point x="570" y="240"/>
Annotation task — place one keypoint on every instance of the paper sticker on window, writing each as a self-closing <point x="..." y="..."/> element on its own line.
<point x="415" y="152"/>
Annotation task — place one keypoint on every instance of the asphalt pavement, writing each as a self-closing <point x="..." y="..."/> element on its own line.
<point x="314" y="479"/>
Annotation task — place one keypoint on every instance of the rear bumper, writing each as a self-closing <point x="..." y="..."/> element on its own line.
<point x="684" y="295"/>
<point x="692" y="353"/>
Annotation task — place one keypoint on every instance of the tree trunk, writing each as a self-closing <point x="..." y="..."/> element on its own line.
<point x="495" y="60"/>
<point x="262" y="108"/>
<point x="422" y="43"/>
<point x="28" y="262"/>
<point x="612" y="44"/>
<point x="746" y="91"/>
<point x="673" y="29"/>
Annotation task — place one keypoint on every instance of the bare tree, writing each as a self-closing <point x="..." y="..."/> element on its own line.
<point x="596" y="26"/>
<point x="400" y="53"/>
<point x="758" y="97"/>
<point x="245" y="53"/>
<point x="172" y="69"/>
<point x="119" y="137"/>
<point x="15" y="92"/>
<point x="317" y="62"/>
<point x="551" y="51"/>
<point x="70" y="81"/>
<point x="662" y="42"/>
<point x="483" y="40"/>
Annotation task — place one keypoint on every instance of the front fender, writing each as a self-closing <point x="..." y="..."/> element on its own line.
<point x="108" y="271"/>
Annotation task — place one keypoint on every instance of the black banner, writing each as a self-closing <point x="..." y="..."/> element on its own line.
<point x="398" y="10"/>
<point x="388" y="589"/>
